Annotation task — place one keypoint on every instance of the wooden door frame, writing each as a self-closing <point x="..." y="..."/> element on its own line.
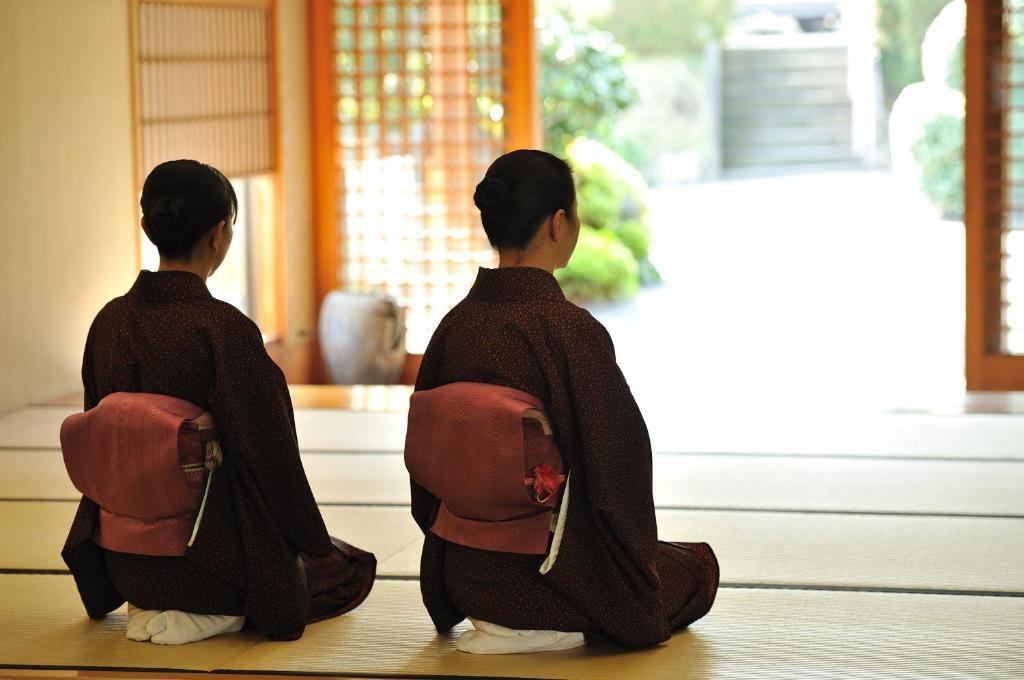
<point x="522" y="120"/>
<point x="987" y="367"/>
<point x="323" y="148"/>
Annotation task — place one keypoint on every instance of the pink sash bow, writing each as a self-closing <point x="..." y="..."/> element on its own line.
<point x="488" y="454"/>
<point x="144" y="459"/>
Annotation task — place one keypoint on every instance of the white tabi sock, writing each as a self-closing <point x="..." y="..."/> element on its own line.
<point x="490" y="638"/>
<point x="174" y="627"/>
<point x="137" y="621"/>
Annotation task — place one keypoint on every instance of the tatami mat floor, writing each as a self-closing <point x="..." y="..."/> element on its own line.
<point x="893" y="548"/>
<point x="754" y="548"/>
<point x="705" y="481"/>
<point x="791" y="433"/>
<point x="754" y="633"/>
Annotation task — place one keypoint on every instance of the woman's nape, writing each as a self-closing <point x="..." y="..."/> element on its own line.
<point x="188" y="209"/>
<point x="550" y="248"/>
<point x="207" y="255"/>
<point x="527" y="204"/>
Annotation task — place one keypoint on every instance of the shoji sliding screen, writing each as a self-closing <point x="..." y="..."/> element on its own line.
<point x="410" y="107"/>
<point x="205" y="90"/>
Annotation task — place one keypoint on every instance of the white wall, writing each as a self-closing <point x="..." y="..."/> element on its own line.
<point x="67" y="233"/>
<point x="68" y="238"/>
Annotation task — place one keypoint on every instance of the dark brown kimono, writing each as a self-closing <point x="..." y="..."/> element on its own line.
<point x="612" y="579"/>
<point x="262" y="549"/>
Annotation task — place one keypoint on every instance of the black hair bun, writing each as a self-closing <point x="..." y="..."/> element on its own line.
<point x="541" y="186"/>
<point x="182" y="200"/>
<point x="490" y="192"/>
<point x="166" y="215"/>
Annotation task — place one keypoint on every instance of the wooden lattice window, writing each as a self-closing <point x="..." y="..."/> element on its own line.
<point x="204" y="89"/>
<point x="417" y="111"/>
<point x="994" y="198"/>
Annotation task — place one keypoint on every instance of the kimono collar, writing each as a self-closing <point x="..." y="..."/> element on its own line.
<point x="169" y="286"/>
<point x="515" y="284"/>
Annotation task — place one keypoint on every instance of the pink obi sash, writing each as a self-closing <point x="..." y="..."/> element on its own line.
<point x="489" y="455"/>
<point x="143" y="458"/>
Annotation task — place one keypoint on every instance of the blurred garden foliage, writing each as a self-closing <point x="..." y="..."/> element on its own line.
<point x="668" y="135"/>
<point x="632" y="78"/>
<point x="939" y="150"/>
<point x="668" y="27"/>
<point x="600" y="269"/>
<point x="611" y="259"/>
<point x="610" y="190"/>
<point x="613" y="134"/>
<point x="902" y="25"/>
<point x="940" y="155"/>
<point x="584" y="85"/>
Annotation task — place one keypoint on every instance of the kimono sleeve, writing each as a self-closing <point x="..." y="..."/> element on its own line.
<point x="443" y="612"/>
<point x="424" y="505"/>
<point x="83" y="557"/>
<point x="252" y="410"/>
<point x="92" y="397"/>
<point x="614" y="452"/>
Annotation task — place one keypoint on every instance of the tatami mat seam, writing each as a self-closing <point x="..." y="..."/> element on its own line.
<point x="380" y="675"/>
<point x="692" y="508"/>
<point x="111" y="669"/>
<point x="954" y="592"/>
<point x="814" y="511"/>
<point x="279" y="673"/>
<point x="924" y="458"/>
<point x="847" y="456"/>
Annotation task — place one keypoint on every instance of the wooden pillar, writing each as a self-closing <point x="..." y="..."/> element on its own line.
<point x="522" y="77"/>
<point x="322" y="127"/>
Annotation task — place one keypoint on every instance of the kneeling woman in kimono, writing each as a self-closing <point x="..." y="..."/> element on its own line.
<point x="536" y="561"/>
<point x="253" y="550"/>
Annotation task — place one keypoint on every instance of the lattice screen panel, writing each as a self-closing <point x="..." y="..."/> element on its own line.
<point x="204" y="85"/>
<point x="418" y="85"/>
<point x="1005" y="169"/>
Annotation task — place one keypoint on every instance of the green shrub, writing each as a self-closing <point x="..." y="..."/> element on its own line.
<point x="583" y="84"/>
<point x="648" y="273"/>
<point x="612" y="196"/>
<point x="940" y="155"/>
<point x="635" y="235"/>
<point x="939" y="152"/>
<point x="668" y="27"/>
<point x="609" y="190"/>
<point x="955" y="67"/>
<point x="597" y="199"/>
<point x="600" y="269"/>
<point x="901" y="28"/>
<point x="630" y="146"/>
